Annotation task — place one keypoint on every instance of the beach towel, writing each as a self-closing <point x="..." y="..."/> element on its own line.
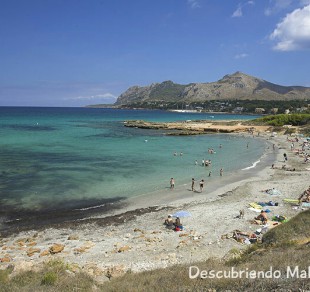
<point x="279" y="218"/>
<point x="256" y="206"/>
<point x="305" y="204"/>
<point x="273" y="192"/>
<point x="255" y="210"/>
<point x="291" y="201"/>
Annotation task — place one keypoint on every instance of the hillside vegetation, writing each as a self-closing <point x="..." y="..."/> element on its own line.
<point x="237" y="86"/>
<point x="283" y="122"/>
<point x="283" y="119"/>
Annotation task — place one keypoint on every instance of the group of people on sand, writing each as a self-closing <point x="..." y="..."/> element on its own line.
<point x="176" y="225"/>
<point x="201" y="185"/>
<point x="302" y="149"/>
<point x="201" y="182"/>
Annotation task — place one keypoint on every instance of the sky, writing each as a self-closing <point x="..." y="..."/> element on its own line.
<point x="81" y="52"/>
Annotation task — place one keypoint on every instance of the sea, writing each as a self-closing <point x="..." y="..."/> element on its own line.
<point x="82" y="157"/>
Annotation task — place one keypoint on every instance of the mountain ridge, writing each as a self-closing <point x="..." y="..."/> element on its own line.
<point x="231" y="87"/>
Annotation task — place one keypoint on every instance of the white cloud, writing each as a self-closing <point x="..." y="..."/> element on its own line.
<point x="193" y="3"/>
<point x="241" y="56"/>
<point x="238" y="12"/>
<point x="293" y="32"/>
<point x="108" y="96"/>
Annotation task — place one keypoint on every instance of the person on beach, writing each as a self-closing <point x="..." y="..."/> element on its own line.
<point x="201" y="184"/>
<point x="169" y="221"/>
<point x="172" y="183"/>
<point x="247" y="145"/>
<point x="178" y="225"/>
<point x="285" y="157"/>
<point x="221" y="172"/>
<point x="210" y="172"/>
<point x="262" y="217"/>
<point x="193" y="184"/>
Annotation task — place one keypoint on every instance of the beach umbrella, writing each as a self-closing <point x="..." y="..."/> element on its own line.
<point x="182" y="214"/>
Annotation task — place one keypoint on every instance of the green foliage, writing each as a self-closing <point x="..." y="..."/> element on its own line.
<point x="284" y="119"/>
<point x="170" y="97"/>
<point x="167" y="90"/>
<point x="49" y="278"/>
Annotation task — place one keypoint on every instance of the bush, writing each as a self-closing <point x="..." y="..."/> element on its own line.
<point x="49" y="278"/>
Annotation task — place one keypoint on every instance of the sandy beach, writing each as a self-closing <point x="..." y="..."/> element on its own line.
<point x="134" y="238"/>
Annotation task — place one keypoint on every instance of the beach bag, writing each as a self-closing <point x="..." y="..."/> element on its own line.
<point x="177" y="228"/>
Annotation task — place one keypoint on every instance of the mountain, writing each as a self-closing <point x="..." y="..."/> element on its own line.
<point x="235" y="86"/>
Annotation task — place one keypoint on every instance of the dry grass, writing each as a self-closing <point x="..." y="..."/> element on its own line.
<point x="55" y="276"/>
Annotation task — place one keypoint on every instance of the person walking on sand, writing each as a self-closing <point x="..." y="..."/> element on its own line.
<point x="193" y="184"/>
<point x="221" y="172"/>
<point x="201" y="183"/>
<point x="172" y="183"/>
<point x="210" y="172"/>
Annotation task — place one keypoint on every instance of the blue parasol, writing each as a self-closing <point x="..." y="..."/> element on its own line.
<point x="182" y="214"/>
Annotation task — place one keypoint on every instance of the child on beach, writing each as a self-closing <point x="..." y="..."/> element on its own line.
<point x="172" y="183"/>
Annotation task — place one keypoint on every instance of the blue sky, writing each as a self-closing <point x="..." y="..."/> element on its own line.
<point x="79" y="52"/>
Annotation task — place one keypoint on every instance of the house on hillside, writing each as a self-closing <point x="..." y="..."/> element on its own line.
<point x="274" y="110"/>
<point x="259" y="110"/>
<point x="301" y="109"/>
<point x="238" y="110"/>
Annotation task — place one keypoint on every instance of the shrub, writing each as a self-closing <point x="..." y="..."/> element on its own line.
<point x="49" y="278"/>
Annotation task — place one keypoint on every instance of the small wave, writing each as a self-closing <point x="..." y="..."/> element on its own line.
<point x="252" y="166"/>
<point x="89" y="208"/>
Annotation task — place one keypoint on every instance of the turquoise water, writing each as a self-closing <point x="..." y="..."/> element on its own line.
<point x="55" y="156"/>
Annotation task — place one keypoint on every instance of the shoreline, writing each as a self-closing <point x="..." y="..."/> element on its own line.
<point x="138" y="240"/>
<point x="88" y="211"/>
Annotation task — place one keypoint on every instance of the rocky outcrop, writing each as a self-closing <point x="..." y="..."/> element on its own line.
<point x="194" y="127"/>
<point x="235" y="86"/>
